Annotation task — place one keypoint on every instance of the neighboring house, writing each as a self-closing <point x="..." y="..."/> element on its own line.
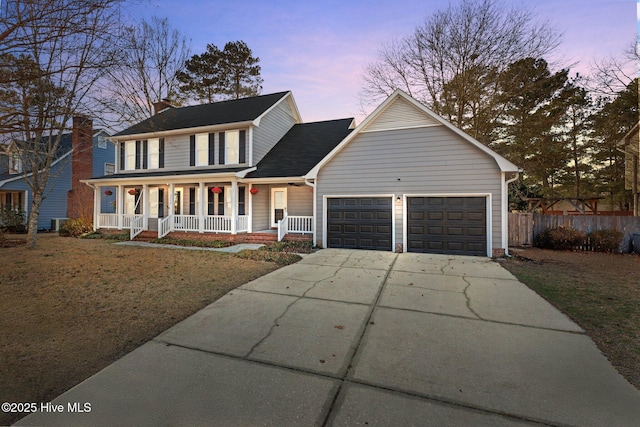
<point x="82" y="154"/>
<point x="403" y="180"/>
<point x="630" y="144"/>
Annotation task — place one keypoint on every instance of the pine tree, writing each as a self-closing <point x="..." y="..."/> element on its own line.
<point x="229" y="73"/>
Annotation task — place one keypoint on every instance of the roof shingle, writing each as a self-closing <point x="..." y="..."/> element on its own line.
<point x="217" y="113"/>
<point x="302" y="148"/>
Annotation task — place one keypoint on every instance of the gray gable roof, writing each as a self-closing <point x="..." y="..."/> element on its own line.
<point x="217" y="113"/>
<point x="302" y="148"/>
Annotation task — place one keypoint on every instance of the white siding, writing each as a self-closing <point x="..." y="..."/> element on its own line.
<point x="260" y="205"/>
<point x="299" y="200"/>
<point x="273" y="127"/>
<point x="176" y="153"/>
<point x="430" y="160"/>
<point x="400" y="114"/>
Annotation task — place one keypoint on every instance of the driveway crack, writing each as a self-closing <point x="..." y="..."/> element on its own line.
<point x="466" y="295"/>
<point x="273" y="326"/>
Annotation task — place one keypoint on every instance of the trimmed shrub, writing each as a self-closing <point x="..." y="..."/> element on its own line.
<point x="561" y="238"/>
<point x="280" y="258"/>
<point x="605" y="240"/>
<point x="12" y="220"/>
<point x="76" y="227"/>
<point x="300" y="247"/>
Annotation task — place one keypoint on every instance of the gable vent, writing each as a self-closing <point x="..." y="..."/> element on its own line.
<point x="400" y="114"/>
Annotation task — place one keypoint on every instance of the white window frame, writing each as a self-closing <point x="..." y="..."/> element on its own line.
<point x="15" y="163"/>
<point x="130" y="155"/>
<point x="202" y="149"/>
<point x="153" y="154"/>
<point x="102" y="142"/>
<point x="232" y="147"/>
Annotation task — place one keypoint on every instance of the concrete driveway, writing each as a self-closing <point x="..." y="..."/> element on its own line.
<point x="364" y="338"/>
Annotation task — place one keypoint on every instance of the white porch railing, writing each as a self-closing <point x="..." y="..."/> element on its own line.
<point x="137" y="226"/>
<point x="242" y="224"/>
<point x="212" y="223"/>
<point x="107" y="220"/>
<point x="126" y="220"/>
<point x="186" y="223"/>
<point x="294" y="224"/>
<point x="217" y="223"/>
<point x="300" y="224"/>
<point x="283" y="228"/>
<point x="164" y="226"/>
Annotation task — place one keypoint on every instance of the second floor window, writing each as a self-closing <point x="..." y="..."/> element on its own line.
<point x="145" y="154"/>
<point x="15" y="163"/>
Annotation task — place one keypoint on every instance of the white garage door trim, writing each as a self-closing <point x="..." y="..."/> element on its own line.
<point x="405" y="216"/>
<point x="325" y="207"/>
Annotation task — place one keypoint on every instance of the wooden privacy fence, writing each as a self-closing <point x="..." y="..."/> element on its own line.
<point x="524" y="227"/>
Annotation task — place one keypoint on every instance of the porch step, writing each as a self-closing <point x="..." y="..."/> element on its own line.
<point x="263" y="238"/>
<point x="146" y="236"/>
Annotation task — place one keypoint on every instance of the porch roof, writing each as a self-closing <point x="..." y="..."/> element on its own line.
<point x="302" y="148"/>
<point x="169" y="173"/>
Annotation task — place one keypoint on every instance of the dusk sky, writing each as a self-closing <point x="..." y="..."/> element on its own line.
<point x="319" y="49"/>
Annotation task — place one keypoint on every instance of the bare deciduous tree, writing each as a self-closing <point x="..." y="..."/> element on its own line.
<point x="452" y="51"/>
<point x="51" y="54"/>
<point x="612" y="75"/>
<point x="151" y="55"/>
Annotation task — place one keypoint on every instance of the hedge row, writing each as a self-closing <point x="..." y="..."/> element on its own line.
<point x="565" y="238"/>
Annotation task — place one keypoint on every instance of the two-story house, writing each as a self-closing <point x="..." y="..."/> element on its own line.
<point x="404" y="179"/>
<point x="83" y="153"/>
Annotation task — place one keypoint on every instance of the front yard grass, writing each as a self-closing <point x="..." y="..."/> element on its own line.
<point x="600" y="292"/>
<point x="71" y="306"/>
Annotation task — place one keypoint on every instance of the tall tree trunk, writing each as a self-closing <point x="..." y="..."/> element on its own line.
<point x="32" y="225"/>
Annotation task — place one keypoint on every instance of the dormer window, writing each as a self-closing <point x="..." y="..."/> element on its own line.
<point x="15" y="163"/>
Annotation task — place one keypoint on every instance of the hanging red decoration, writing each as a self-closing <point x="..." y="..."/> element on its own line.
<point x="108" y="192"/>
<point x="216" y="190"/>
<point x="133" y="191"/>
<point x="253" y="190"/>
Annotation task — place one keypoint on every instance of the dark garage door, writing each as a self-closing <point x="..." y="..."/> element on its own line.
<point x="447" y="225"/>
<point x="359" y="223"/>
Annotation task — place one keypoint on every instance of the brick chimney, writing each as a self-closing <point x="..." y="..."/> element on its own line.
<point x="80" y="197"/>
<point x="161" y="105"/>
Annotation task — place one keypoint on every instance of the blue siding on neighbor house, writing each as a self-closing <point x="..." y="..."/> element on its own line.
<point x="54" y="203"/>
<point x="101" y="156"/>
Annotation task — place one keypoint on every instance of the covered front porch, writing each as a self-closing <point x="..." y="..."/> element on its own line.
<point x="217" y="207"/>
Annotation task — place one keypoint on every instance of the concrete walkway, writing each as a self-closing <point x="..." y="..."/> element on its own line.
<point x="357" y="337"/>
<point x="230" y="249"/>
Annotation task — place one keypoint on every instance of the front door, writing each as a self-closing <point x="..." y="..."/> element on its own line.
<point x="278" y="205"/>
<point x="177" y="201"/>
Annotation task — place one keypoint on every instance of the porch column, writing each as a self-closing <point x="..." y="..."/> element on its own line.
<point x="200" y="207"/>
<point x="249" y="212"/>
<point x="120" y="205"/>
<point x="172" y="201"/>
<point x="234" y="207"/>
<point x="97" y="194"/>
<point x="145" y="206"/>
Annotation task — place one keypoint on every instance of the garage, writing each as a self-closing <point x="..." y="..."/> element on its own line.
<point x="359" y="223"/>
<point x="447" y="225"/>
